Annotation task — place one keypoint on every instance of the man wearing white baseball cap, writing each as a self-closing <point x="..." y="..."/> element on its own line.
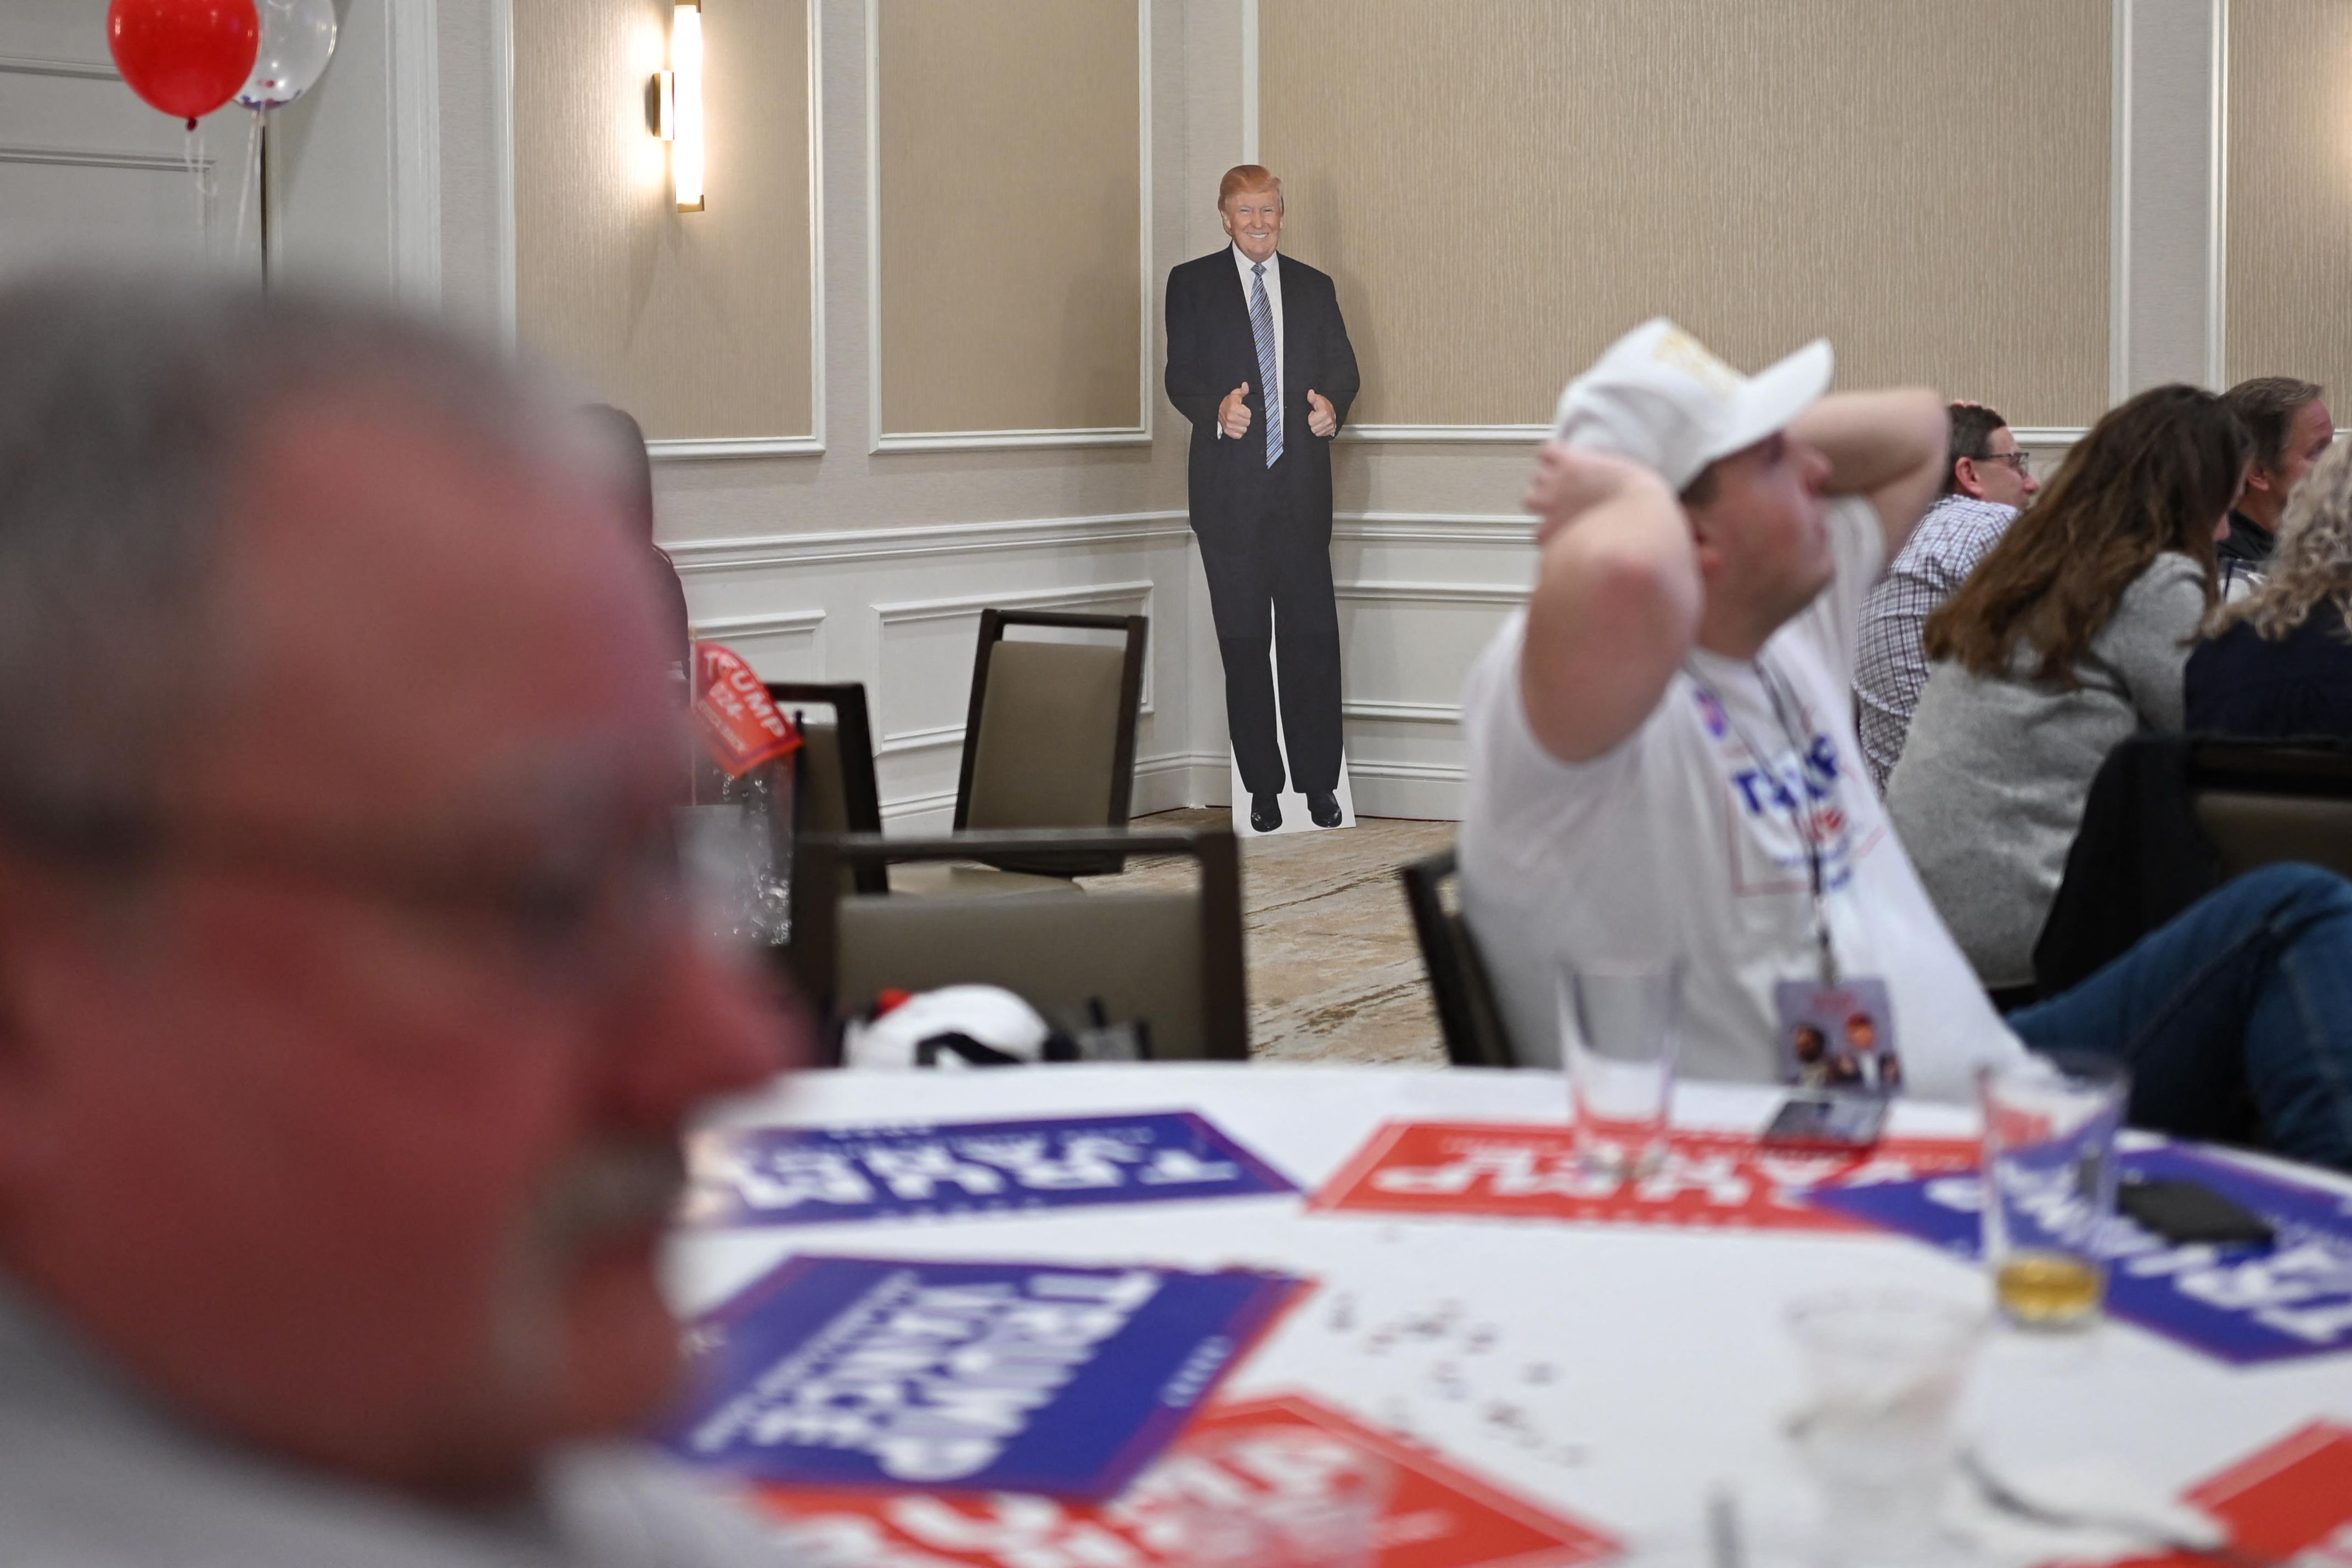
<point x="1662" y="765"/>
<point x="1661" y="748"/>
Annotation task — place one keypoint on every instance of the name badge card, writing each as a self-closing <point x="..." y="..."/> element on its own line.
<point x="814" y="1176"/>
<point x="1708" y="1180"/>
<point x="1266" y="1470"/>
<point x="864" y="1372"/>
<point x="2291" y="1502"/>
<point x="2237" y="1304"/>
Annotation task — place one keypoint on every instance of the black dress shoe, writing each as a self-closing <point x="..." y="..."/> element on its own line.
<point x="1323" y="806"/>
<point x="1265" y="813"/>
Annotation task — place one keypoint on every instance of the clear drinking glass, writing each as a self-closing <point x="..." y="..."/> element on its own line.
<point x="1620" y="1030"/>
<point x="1883" y="1370"/>
<point x="2050" y="1184"/>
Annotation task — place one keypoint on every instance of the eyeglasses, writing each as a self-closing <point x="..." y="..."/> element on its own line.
<point x="577" y="918"/>
<point x="2020" y="460"/>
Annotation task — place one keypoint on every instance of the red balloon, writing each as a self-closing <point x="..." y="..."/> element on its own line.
<point x="187" y="57"/>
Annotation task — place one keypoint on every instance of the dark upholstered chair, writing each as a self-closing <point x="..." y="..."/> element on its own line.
<point x="1050" y="739"/>
<point x="1173" y="959"/>
<point x="1467" y="1013"/>
<point x="837" y="793"/>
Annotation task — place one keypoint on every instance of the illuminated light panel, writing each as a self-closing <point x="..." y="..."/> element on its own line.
<point x="685" y="150"/>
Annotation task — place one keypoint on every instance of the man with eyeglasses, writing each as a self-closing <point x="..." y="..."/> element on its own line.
<point x="1988" y="480"/>
<point x="348" y="1011"/>
<point x="2290" y="426"/>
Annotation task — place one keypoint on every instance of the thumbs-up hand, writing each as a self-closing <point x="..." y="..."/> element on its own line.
<point x="1233" y="413"/>
<point x="1321" y="418"/>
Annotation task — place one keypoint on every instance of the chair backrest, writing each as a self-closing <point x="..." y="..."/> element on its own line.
<point x="1173" y="960"/>
<point x="2262" y="804"/>
<point x="837" y="791"/>
<point x="1464" y="998"/>
<point x="1049" y="739"/>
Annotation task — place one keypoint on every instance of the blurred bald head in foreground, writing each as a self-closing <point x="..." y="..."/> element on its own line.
<point x="347" y="1012"/>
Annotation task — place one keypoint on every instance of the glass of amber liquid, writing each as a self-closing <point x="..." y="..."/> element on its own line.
<point x="2050" y="1125"/>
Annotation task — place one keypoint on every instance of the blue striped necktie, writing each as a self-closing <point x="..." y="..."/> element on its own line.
<point x="1269" y="379"/>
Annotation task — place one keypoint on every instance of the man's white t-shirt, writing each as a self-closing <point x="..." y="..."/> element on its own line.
<point x="1675" y="844"/>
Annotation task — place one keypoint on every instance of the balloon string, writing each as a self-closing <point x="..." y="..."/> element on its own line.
<point x="200" y="180"/>
<point x="244" y="183"/>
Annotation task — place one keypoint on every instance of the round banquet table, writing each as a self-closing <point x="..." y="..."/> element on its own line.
<point x="1653" y="1365"/>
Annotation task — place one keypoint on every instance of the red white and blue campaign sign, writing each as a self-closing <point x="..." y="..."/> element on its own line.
<point x="1287" y="1479"/>
<point x="2239" y="1304"/>
<point x="1031" y="1378"/>
<point x="1708" y="1180"/>
<point x="813" y="1176"/>
<point x="2291" y="1501"/>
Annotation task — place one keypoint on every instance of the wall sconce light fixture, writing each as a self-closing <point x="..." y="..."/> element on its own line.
<point x="674" y="106"/>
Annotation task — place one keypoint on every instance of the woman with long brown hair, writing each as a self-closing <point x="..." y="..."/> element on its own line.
<point x="2069" y="637"/>
<point x="2278" y="663"/>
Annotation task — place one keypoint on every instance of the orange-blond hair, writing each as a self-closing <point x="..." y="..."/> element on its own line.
<point x="1246" y="177"/>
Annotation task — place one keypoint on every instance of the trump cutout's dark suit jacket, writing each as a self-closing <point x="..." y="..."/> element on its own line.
<point x="1266" y="532"/>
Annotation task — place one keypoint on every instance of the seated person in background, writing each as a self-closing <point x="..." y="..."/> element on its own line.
<point x="633" y="476"/>
<point x="2069" y="637"/>
<point x="349" y="1011"/>
<point x="1986" y="481"/>
<point x="2290" y="426"/>
<point x="1661" y="763"/>
<point x="2278" y="662"/>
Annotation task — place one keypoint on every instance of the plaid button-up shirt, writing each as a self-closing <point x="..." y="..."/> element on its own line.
<point x="1889" y="667"/>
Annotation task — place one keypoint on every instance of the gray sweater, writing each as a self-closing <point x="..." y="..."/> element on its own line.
<point x="1989" y="791"/>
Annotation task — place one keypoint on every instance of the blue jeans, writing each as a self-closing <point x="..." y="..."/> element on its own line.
<point x="2236" y="1018"/>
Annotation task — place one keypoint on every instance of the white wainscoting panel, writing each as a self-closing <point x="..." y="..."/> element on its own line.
<point x="90" y="174"/>
<point x="1420" y="598"/>
<point x="899" y="609"/>
<point x="788" y="645"/>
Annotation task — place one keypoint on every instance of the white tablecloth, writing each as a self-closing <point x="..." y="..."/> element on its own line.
<point x="1649" y="1365"/>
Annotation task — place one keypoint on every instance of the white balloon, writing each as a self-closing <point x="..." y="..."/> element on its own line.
<point x="297" y="38"/>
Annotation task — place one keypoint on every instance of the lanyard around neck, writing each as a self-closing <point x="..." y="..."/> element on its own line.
<point x="1796" y="801"/>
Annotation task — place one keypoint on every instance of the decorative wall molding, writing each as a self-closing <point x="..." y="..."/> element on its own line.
<point x="983" y="439"/>
<point x="1507" y="595"/>
<point x="1529" y="434"/>
<point x="670" y="449"/>
<point x="1448" y="435"/>
<point x="1076" y="597"/>
<point x="2119" y="191"/>
<point x="1403" y="713"/>
<point x="91" y="158"/>
<point x="35" y="66"/>
<point x="414" y="65"/>
<point x="781" y="623"/>
<point x="1106" y="596"/>
<point x="1139" y="434"/>
<point x="1249" y="80"/>
<point x="503" y="159"/>
<point x="1434" y="527"/>
<point x="2217" y="218"/>
<point x="742" y="445"/>
<point x="849" y="545"/>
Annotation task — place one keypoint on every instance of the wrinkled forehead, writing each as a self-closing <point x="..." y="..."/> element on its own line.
<point x="410" y="617"/>
<point x="1256" y="196"/>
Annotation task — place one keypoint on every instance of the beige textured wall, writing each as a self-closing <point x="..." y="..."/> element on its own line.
<point x="1501" y="187"/>
<point x="695" y="322"/>
<point x="2290" y="194"/>
<point x="1010" y="215"/>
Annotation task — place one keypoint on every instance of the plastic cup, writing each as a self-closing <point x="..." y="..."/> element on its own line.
<point x="2050" y="1185"/>
<point x="1621" y="1030"/>
<point x="1883" y="1370"/>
